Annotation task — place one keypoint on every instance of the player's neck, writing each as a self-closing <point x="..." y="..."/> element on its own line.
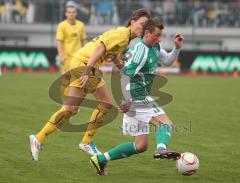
<point x="132" y="35"/>
<point x="146" y="43"/>
<point x="72" y="22"/>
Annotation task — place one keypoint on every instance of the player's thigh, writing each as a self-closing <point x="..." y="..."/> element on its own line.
<point x="135" y="124"/>
<point x="102" y="94"/>
<point x="74" y="99"/>
<point x="141" y="142"/>
<point x="161" y="119"/>
<point x="94" y="81"/>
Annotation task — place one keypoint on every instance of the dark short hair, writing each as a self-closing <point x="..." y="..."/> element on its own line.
<point x="138" y="14"/>
<point x="151" y="24"/>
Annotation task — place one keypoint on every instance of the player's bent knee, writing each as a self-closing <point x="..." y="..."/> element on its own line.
<point x="162" y="119"/>
<point x="106" y="105"/>
<point x="73" y="109"/>
<point x="169" y="123"/>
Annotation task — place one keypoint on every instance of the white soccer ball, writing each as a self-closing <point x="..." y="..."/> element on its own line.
<point x="187" y="164"/>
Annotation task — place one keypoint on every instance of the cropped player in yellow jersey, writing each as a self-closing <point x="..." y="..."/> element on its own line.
<point x="83" y="78"/>
<point x="70" y="36"/>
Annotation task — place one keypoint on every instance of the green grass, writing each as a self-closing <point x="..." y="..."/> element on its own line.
<point x="210" y="104"/>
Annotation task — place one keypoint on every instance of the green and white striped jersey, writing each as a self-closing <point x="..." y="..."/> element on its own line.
<point x="141" y="62"/>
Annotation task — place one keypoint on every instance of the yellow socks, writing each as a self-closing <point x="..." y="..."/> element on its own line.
<point x="45" y="131"/>
<point x="95" y="122"/>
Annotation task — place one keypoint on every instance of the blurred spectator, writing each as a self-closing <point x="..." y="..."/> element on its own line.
<point x="30" y="14"/>
<point x="169" y="11"/>
<point x="93" y="17"/>
<point x="199" y="13"/>
<point x="115" y="18"/>
<point x="19" y="11"/>
<point x="147" y="5"/>
<point x="223" y="14"/>
<point x="126" y="7"/>
<point x="235" y="8"/>
<point x="5" y="11"/>
<point x="212" y="14"/>
<point x="157" y="11"/>
<point x="104" y="12"/>
<point x="183" y="12"/>
<point x="41" y="12"/>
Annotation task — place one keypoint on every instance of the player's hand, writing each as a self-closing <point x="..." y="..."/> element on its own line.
<point x="178" y="40"/>
<point x="62" y="61"/>
<point x="124" y="107"/>
<point x="84" y="80"/>
<point x="119" y="63"/>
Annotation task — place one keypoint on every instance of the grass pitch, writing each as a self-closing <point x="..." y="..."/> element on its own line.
<point x="205" y="111"/>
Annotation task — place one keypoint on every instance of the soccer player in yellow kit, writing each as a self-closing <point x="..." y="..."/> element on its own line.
<point x="70" y="36"/>
<point x="91" y="56"/>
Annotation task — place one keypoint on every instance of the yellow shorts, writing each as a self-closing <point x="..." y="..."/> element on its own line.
<point x="75" y="70"/>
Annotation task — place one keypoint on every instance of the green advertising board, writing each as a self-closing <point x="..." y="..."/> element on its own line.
<point x="22" y="59"/>
<point x="216" y="63"/>
<point x="35" y="58"/>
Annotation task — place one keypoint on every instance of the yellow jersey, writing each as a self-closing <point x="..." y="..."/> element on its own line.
<point x="71" y="35"/>
<point x="115" y="41"/>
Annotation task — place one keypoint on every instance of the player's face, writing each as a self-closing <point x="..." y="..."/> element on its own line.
<point x="71" y="13"/>
<point x="153" y="38"/>
<point x="136" y="26"/>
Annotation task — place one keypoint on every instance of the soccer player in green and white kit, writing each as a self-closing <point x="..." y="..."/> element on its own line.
<point x="139" y="107"/>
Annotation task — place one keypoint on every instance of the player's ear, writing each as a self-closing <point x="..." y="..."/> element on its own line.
<point x="132" y="22"/>
<point x="146" y="33"/>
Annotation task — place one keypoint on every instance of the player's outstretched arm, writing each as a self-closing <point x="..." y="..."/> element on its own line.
<point x="166" y="58"/>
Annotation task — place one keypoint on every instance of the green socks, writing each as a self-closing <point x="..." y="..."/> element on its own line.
<point x="121" y="151"/>
<point x="163" y="135"/>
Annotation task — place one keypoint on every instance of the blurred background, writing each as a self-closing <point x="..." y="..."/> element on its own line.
<point x="211" y="30"/>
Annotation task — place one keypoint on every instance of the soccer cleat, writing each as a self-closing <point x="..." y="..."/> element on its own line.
<point x="100" y="167"/>
<point x="166" y="154"/>
<point x="35" y="147"/>
<point x="90" y="148"/>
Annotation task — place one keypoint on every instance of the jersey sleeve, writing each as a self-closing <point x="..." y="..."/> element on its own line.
<point x="166" y="58"/>
<point x="59" y="33"/>
<point x="114" y="39"/>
